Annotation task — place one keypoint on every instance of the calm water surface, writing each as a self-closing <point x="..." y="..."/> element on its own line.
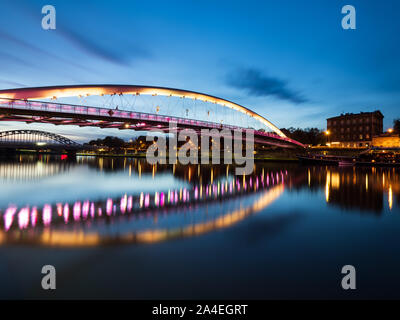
<point x="121" y="228"/>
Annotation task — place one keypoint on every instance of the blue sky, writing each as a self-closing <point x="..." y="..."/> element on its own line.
<point x="288" y="60"/>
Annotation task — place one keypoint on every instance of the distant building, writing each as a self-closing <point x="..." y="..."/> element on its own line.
<point x="386" y="140"/>
<point x="354" y="130"/>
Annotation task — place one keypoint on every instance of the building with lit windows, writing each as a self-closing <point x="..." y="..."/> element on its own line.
<point x="354" y="130"/>
<point x="386" y="140"/>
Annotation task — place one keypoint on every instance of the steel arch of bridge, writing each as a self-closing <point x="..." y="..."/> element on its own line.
<point x="54" y="92"/>
<point x="52" y="136"/>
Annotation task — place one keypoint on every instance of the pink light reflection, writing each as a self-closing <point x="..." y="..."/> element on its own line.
<point x="130" y="203"/>
<point x="66" y="212"/>
<point x="59" y="209"/>
<point x="123" y="204"/>
<point x="85" y="209"/>
<point x="23" y="218"/>
<point x="92" y="210"/>
<point x="34" y="216"/>
<point x="109" y="207"/>
<point x="46" y="215"/>
<point x="77" y="211"/>
<point x="9" y="217"/>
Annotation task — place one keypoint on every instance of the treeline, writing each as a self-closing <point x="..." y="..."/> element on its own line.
<point x="109" y="142"/>
<point x="115" y="144"/>
<point x="396" y="125"/>
<point x="312" y="136"/>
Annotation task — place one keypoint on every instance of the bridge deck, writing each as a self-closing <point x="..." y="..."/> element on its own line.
<point x="67" y="114"/>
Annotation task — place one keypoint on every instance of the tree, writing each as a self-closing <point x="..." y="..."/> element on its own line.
<point x="112" y="143"/>
<point x="312" y="136"/>
<point x="396" y="125"/>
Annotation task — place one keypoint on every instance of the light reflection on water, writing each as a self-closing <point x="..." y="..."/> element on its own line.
<point x="60" y="222"/>
<point x="268" y="231"/>
<point x="50" y="195"/>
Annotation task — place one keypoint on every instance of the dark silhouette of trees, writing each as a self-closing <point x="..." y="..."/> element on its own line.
<point x="112" y="143"/>
<point x="396" y="125"/>
<point x="312" y="136"/>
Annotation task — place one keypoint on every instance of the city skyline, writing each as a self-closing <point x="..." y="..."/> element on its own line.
<point x="292" y="63"/>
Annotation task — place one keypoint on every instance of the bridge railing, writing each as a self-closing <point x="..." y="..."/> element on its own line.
<point x="125" y="115"/>
<point x="105" y="112"/>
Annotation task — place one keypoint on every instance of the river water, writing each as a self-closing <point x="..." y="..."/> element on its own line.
<point x="121" y="228"/>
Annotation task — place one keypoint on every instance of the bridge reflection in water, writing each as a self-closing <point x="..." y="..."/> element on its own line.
<point x="31" y="169"/>
<point x="208" y="198"/>
<point x="81" y="222"/>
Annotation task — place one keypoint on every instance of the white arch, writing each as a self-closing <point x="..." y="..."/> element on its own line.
<point x="85" y="90"/>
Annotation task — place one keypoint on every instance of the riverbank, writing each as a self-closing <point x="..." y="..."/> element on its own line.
<point x="143" y="155"/>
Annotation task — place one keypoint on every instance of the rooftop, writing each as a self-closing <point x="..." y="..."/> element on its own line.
<point x="376" y="112"/>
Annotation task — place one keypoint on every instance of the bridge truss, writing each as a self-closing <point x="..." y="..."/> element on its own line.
<point x="36" y="139"/>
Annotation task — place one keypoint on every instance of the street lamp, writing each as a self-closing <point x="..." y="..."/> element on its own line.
<point x="327" y="133"/>
<point x="390" y="130"/>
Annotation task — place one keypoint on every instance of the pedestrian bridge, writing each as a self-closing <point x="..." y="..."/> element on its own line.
<point x="136" y="108"/>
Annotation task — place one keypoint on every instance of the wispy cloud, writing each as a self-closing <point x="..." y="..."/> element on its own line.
<point x="255" y="83"/>
<point x="7" y="58"/>
<point x="96" y="49"/>
<point x="112" y="50"/>
<point x="39" y="51"/>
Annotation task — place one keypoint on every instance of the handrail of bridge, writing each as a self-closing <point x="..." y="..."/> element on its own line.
<point x="125" y="114"/>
